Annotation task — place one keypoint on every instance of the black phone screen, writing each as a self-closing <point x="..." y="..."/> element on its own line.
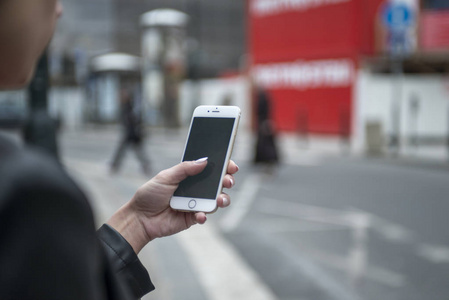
<point x="208" y="137"/>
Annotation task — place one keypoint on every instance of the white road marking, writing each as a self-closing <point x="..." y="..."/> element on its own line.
<point x="355" y="264"/>
<point x="314" y="273"/>
<point x="282" y="225"/>
<point x="209" y="252"/>
<point x="314" y="213"/>
<point x="380" y="275"/>
<point x="435" y="253"/>
<point x="242" y="202"/>
<point x="389" y="230"/>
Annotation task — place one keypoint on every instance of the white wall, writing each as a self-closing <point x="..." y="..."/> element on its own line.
<point x="67" y="103"/>
<point x="373" y="102"/>
<point x="213" y="92"/>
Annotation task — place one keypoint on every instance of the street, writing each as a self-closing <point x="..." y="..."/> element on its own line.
<point x="322" y="226"/>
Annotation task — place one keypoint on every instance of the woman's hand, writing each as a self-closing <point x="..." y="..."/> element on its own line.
<point x="148" y="214"/>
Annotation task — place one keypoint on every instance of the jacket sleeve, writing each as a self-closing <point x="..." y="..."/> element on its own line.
<point x="125" y="262"/>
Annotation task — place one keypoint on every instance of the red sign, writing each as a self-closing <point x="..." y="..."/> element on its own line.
<point x="326" y="111"/>
<point x="303" y="52"/>
<point x="282" y="30"/>
<point x="309" y="96"/>
<point x="434" y="30"/>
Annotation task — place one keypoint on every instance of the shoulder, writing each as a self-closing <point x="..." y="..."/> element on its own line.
<point x="34" y="175"/>
<point x="27" y="168"/>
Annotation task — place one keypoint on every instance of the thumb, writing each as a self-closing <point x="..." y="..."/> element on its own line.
<point x="181" y="171"/>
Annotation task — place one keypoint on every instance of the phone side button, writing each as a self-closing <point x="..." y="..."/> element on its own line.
<point x="192" y="203"/>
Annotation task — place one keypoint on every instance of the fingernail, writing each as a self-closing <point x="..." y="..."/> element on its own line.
<point x="237" y="167"/>
<point x="201" y="160"/>
<point x="232" y="182"/>
<point x="225" y="201"/>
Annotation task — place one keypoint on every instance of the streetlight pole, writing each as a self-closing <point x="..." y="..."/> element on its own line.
<point x="397" y="70"/>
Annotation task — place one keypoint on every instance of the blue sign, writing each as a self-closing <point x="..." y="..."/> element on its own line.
<point x="398" y="16"/>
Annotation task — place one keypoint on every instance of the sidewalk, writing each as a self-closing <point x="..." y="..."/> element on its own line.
<point x="294" y="146"/>
<point x="295" y="149"/>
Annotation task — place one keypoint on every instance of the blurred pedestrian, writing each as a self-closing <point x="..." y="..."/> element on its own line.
<point x="49" y="248"/>
<point x="133" y="135"/>
<point x="266" y="151"/>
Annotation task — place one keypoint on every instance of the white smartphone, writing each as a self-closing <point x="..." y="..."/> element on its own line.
<point x="212" y="134"/>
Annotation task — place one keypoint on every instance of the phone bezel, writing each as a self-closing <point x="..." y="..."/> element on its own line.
<point x="216" y="111"/>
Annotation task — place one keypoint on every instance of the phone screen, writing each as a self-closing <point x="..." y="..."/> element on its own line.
<point x="208" y="137"/>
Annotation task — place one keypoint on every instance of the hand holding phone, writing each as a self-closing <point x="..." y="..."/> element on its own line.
<point x="146" y="216"/>
<point x="212" y="135"/>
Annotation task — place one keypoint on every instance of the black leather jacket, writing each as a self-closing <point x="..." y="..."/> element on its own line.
<point x="49" y="247"/>
<point x="125" y="261"/>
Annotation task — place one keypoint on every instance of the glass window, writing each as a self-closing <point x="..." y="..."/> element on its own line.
<point x="435" y="4"/>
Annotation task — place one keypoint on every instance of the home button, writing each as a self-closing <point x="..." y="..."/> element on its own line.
<point x="192" y="203"/>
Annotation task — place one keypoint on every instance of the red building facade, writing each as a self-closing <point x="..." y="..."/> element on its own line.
<point x="306" y="54"/>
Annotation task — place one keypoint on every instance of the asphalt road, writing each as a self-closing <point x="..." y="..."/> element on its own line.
<point x="318" y="227"/>
<point x="350" y="229"/>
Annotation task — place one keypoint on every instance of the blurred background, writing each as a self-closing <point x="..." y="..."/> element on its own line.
<point x="343" y="145"/>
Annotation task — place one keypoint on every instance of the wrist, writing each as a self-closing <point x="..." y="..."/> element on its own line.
<point x="127" y="223"/>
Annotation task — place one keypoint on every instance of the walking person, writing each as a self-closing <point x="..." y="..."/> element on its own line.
<point x="266" y="151"/>
<point x="133" y="136"/>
